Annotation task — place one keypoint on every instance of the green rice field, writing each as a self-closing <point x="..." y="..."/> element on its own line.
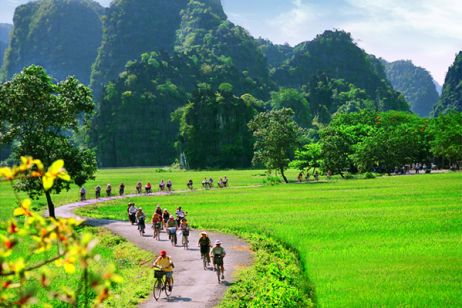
<point x="389" y="241"/>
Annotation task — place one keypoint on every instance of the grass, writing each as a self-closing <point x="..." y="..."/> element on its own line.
<point x="390" y="241"/>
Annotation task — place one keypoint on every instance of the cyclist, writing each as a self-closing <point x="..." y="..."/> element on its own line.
<point x="210" y="183"/>
<point x="97" y="191"/>
<point x="225" y="181"/>
<point x="148" y="188"/>
<point x="218" y="253"/>
<point x="159" y="210"/>
<point x="184" y="227"/>
<point x="121" y="189"/>
<point x="205" y="183"/>
<point x="132" y="212"/>
<point x="169" y="186"/>
<point x="220" y="183"/>
<point x="108" y="190"/>
<point x="138" y="187"/>
<point x="204" y="244"/>
<point x="171" y="228"/>
<point x="156" y="223"/>
<point x="180" y="215"/>
<point x="165" y="217"/>
<point x="190" y="184"/>
<point x="83" y="194"/>
<point x="166" y="265"/>
<point x="162" y="185"/>
<point x="140" y="217"/>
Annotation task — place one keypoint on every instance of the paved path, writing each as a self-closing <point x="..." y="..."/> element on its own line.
<point x="194" y="287"/>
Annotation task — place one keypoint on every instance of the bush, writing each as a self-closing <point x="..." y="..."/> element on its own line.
<point x="369" y="175"/>
<point x="272" y="180"/>
<point x="275" y="279"/>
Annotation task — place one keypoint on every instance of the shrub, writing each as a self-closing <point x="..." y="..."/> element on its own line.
<point x="369" y="175"/>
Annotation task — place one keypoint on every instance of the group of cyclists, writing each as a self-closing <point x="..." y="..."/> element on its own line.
<point x="163" y="220"/>
<point x="164" y="186"/>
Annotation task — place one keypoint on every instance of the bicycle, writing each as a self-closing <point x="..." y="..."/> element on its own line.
<point x="184" y="239"/>
<point x="160" y="284"/>
<point x="217" y="265"/>
<point x="172" y="235"/>
<point x="205" y="260"/>
<point x="156" y="228"/>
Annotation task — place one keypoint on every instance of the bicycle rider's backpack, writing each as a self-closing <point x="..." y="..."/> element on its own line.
<point x="186" y="232"/>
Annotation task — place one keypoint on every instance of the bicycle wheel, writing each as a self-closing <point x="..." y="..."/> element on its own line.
<point x="167" y="291"/>
<point x="204" y="260"/>
<point x="157" y="289"/>
<point x="218" y="273"/>
<point x="185" y="242"/>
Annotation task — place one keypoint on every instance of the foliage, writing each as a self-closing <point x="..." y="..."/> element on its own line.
<point x="451" y="97"/>
<point x="276" y="137"/>
<point x="131" y="28"/>
<point x="39" y="116"/>
<point x="335" y="55"/>
<point x="275" y="279"/>
<point x="19" y="277"/>
<point x="213" y="131"/>
<point x="307" y="157"/>
<point x="275" y="54"/>
<point x="5" y="30"/>
<point x="61" y="35"/>
<point x="446" y="133"/>
<point x="415" y="83"/>
<point x="295" y="100"/>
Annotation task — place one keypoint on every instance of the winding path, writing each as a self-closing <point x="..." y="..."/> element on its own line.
<point x="194" y="287"/>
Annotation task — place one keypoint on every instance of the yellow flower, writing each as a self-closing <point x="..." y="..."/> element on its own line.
<point x="7" y="173"/>
<point x="23" y="209"/>
<point x="56" y="170"/>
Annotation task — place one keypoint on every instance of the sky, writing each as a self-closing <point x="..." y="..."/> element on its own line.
<point x="428" y="32"/>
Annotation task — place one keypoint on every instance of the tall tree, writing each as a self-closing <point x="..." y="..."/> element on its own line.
<point x="276" y="138"/>
<point x="40" y="116"/>
<point x="295" y="100"/>
<point x="446" y="136"/>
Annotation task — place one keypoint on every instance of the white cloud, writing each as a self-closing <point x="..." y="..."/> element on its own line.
<point x="429" y="32"/>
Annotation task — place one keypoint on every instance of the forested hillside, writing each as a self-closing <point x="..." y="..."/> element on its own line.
<point x="61" y="35"/>
<point x="183" y="60"/>
<point x="451" y="97"/>
<point x="415" y="83"/>
<point x="132" y="27"/>
<point x="335" y="55"/>
<point x="5" y="30"/>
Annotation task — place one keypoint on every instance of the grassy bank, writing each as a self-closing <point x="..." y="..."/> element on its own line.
<point x="389" y="241"/>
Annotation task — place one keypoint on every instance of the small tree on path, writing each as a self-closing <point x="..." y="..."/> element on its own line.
<point x="276" y="137"/>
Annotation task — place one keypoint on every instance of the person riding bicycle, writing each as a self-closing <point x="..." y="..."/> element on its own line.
<point x="190" y="184"/>
<point x="180" y="214"/>
<point x="132" y="212"/>
<point x="205" y="244"/>
<point x="139" y="186"/>
<point x="97" y="191"/>
<point x="225" y="181"/>
<point x="184" y="227"/>
<point x="83" y="194"/>
<point x="140" y="217"/>
<point x="171" y="228"/>
<point x="165" y="218"/>
<point x="108" y="190"/>
<point x="210" y="183"/>
<point x="156" y="223"/>
<point x="158" y="210"/>
<point x="218" y="253"/>
<point x="121" y="189"/>
<point x="148" y="188"/>
<point x="162" y="185"/>
<point x="166" y="265"/>
<point x="220" y="183"/>
<point x="205" y="183"/>
<point x="169" y="185"/>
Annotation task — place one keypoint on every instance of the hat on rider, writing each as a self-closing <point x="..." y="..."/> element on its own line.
<point x="171" y="217"/>
<point x="203" y="233"/>
<point x="163" y="253"/>
<point x="217" y="242"/>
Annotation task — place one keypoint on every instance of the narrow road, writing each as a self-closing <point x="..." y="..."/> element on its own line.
<point x="194" y="287"/>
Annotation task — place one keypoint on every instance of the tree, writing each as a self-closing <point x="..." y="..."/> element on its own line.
<point x="309" y="156"/>
<point x="295" y="100"/>
<point x="276" y="135"/>
<point x="213" y="128"/>
<point x="39" y="117"/>
<point x="446" y="134"/>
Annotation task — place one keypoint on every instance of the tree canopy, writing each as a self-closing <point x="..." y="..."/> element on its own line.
<point x="39" y="117"/>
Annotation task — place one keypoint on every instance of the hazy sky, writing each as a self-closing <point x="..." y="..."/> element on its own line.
<point x="428" y="32"/>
